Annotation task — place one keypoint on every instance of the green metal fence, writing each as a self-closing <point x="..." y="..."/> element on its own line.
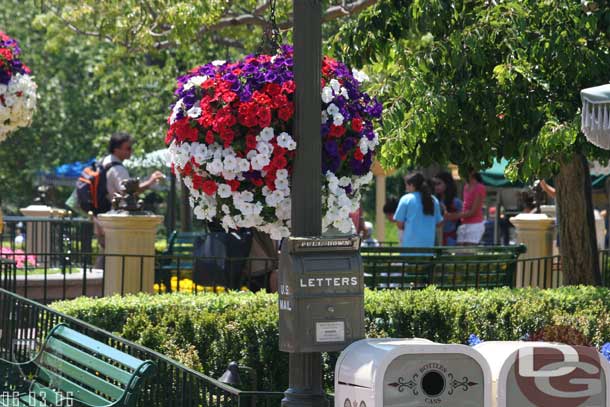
<point x="25" y="324"/>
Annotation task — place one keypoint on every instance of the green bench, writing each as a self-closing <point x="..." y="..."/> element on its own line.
<point x="73" y="369"/>
<point x="445" y="267"/>
<point x="177" y="257"/>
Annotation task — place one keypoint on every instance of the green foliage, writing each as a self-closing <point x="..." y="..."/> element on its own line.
<point x="208" y="331"/>
<point x="468" y="81"/>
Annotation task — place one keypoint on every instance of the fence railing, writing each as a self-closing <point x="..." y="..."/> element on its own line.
<point x="48" y="277"/>
<point x="445" y="267"/>
<point x="23" y="234"/>
<point x="25" y="324"/>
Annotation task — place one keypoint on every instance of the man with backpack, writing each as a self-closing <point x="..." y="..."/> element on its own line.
<point x="103" y="184"/>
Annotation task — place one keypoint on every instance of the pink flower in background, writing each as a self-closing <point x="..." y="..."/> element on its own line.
<point x="18" y="256"/>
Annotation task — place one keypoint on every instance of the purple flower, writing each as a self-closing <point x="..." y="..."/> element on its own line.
<point x="605" y="350"/>
<point x="331" y="148"/>
<point x="474" y="340"/>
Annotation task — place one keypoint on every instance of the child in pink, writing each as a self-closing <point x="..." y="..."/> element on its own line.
<point x="472" y="228"/>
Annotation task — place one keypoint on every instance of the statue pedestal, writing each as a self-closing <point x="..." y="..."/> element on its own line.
<point x="536" y="232"/>
<point x="134" y="236"/>
<point x="38" y="233"/>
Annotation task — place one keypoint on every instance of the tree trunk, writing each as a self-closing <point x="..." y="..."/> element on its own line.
<point x="577" y="240"/>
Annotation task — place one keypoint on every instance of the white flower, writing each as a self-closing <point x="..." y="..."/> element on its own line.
<point x="338" y="119"/>
<point x="229" y="175"/>
<point x="228" y="222"/>
<point x="285" y="140"/>
<point x="214" y="167"/>
<point x="282" y="174"/>
<point x="274" y="198"/>
<point x="291" y="145"/>
<point x="281" y="184"/>
<point x="324" y="116"/>
<point x="246" y="196"/>
<point x="188" y="181"/>
<point x="224" y="191"/>
<point x="360" y="76"/>
<point x="266" y="191"/>
<point x="364" y="145"/>
<point x="230" y="163"/>
<point x="218" y="62"/>
<point x="264" y="148"/>
<point x="178" y="107"/>
<point x="259" y="162"/>
<point x="199" y="151"/>
<point x="283" y="209"/>
<point x="267" y="134"/>
<point x="194" y="112"/>
<point x="243" y="165"/>
<point x="225" y="209"/>
<point x="251" y="154"/>
<point x="195" y="81"/>
<point x="335" y="85"/>
<point x="344" y="181"/>
<point x="344" y="93"/>
<point x="327" y="94"/>
<point x="332" y="109"/>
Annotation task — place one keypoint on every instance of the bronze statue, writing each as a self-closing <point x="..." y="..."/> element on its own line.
<point x="128" y="201"/>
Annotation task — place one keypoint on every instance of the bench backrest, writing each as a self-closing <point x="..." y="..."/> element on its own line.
<point x="76" y="366"/>
<point x="182" y="243"/>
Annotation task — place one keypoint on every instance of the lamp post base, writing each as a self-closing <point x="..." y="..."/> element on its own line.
<point x="305" y="381"/>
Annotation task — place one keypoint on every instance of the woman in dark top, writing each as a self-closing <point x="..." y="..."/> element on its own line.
<point x="446" y="192"/>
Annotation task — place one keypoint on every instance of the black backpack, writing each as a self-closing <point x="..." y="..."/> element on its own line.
<point x="91" y="190"/>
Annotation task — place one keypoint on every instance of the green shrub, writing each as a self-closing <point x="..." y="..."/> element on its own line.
<point x="207" y="331"/>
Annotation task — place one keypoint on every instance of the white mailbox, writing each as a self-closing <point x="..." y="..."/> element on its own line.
<point x="533" y="374"/>
<point x="411" y="373"/>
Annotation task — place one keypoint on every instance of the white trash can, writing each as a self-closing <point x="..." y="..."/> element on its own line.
<point x="534" y="374"/>
<point x="411" y="373"/>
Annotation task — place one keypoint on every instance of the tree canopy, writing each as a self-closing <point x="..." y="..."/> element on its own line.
<point x="468" y="81"/>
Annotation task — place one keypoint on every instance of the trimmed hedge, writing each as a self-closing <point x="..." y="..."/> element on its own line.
<point x="209" y="330"/>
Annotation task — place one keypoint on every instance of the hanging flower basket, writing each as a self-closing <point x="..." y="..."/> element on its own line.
<point x="17" y="89"/>
<point x="230" y="140"/>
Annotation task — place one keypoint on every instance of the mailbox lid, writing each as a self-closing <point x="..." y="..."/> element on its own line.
<point x="360" y="362"/>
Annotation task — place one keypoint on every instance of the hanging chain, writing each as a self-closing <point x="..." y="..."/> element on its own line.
<point x="272" y="37"/>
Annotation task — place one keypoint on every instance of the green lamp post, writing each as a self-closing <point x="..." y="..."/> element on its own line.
<point x="305" y="370"/>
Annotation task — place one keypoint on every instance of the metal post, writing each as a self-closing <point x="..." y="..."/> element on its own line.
<point x="305" y="369"/>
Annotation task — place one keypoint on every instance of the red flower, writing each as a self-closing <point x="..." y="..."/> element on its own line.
<point x="357" y="124"/>
<point x="209" y="137"/>
<point x="279" y="162"/>
<point x="169" y="135"/>
<point x="251" y="142"/>
<point x="336" y="131"/>
<point x="270" y="182"/>
<point x="288" y="87"/>
<point x="234" y="184"/>
<point x="257" y="182"/>
<point x="198" y="182"/>
<point x="261" y="98"/>
<point x="229" y="97"/>
<point x="209" y="187"/>
<point x="285" y="113"/>
<point x="358" y="155"/>
<point x="209" y="84"/>
<point x="6" y="54"/>
<point x="188" y="169"/>
<point x="184" y="131"/>
<point x="264" y="117"/>
<point x="279" y="101"/>
<point x="272" y="89"/>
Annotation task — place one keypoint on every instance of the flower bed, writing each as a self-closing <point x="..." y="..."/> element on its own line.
<point x="230" y="141"/>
